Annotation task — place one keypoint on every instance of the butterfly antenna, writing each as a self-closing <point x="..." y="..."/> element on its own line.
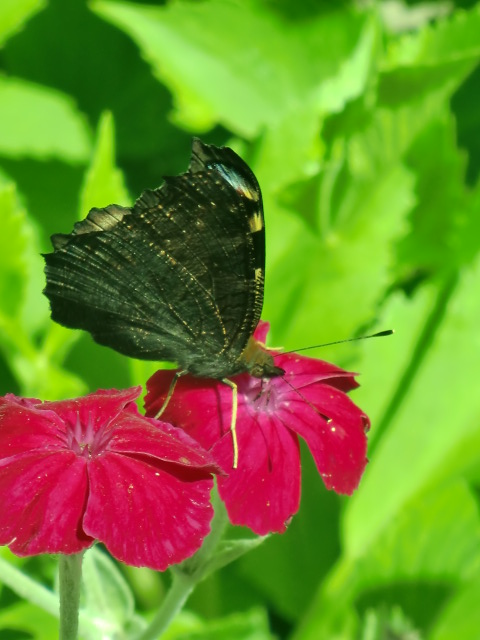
<point x="379" y="334"/>
<point x="322" y="415"/>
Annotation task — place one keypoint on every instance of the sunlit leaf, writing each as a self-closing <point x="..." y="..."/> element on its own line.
<point x="251" y="67"/>
<point x="14" y="13"/>
<point x="40" y="122"/>
<point x="104" y="183"/>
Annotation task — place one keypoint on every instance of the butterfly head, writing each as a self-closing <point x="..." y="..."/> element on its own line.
<point x="258" y="361"/>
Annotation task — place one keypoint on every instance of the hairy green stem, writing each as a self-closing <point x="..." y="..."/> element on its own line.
<point x="70" y="579"/>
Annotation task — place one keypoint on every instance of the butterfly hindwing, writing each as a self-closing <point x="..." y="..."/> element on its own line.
<point x="179" y="276"/>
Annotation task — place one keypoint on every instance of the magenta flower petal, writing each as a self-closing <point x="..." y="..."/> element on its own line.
<point x="136" y="435"/>
<point x="312" y="403"/>
<point x="93" y="468"/>
<point x="17" y="436"/>
<point x="308" y="401"/>
<point x="338" y="445"/>
<point x="164" y="515"/>
<point x="264" y="492"/>
<point x="43" y="497"/>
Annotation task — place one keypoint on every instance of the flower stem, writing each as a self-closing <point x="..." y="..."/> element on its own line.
<point x="181" y="587"/>
<point x="70" y="578"/>
<point x="188" y="574"/>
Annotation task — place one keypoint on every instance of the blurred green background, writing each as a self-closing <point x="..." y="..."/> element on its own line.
<point x="361" y="121"/>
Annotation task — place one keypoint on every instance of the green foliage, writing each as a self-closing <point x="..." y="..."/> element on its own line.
<point x="25" y="618"/>
<point x="13" y="13"/>
<point x="365" y="143"/>
<point x="250" y="625"/>
<point x="103" y="183"/>
<point x="106" y="596"/>
<point x="50" y="125"/>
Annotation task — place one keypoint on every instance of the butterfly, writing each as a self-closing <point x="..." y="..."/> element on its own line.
<point x="179" y="276"/>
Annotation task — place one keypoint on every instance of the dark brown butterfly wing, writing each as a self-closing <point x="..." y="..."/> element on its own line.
<point x="179" y="276"/>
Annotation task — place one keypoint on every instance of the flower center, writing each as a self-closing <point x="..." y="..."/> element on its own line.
<point x="262" y="395"/>
<point x="87" y="439"/>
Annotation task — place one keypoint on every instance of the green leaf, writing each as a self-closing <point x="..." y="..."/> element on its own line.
<point x="468" y="122"/>
<point x="104" y="183"/>
<point x="435" y="242"/>
<point x="433" y="541"/>
<point x="388" y="622"/>
<point x="355" y="72"/>
<point x="448" y="40"/>
<point x="295" y="135"/>
<point x="14" y="13"/>
<point x="248" y="625"/>
<point x="370" y="213"/>
<point x="427" y="433"/>
<point x="13" y="247"/>
<point x="41" y="379"/>
<point x="436" y="536"/>
<point x="427" y="441"/>
<point x="230" y="550"/>
<point x="390" y="133"/>
<point x="24" y="618"/>
<point x="461" y="616"/>
<point x="18" y="244"/>
<point x="24" y="310"/>
<point x="437" y="57"/>
<point x="51" y="127"/>
<point x="107" y="602"/>
<point x="466" y="227"/>
<point x="104" y="588"/>
<point x="383" y="361"/>
<point x="250" y="67"/>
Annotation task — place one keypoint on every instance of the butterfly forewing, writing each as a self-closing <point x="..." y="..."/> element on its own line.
<point x="177" y="277"/>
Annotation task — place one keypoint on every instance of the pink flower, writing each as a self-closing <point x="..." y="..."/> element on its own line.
<point x="309" y="400"/>
<point x="93" y="468"/>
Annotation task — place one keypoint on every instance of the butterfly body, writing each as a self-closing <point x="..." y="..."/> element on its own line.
<point x="178" y="276"/>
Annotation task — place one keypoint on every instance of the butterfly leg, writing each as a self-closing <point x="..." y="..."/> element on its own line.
<point x="171" y="389"/>
<point x="233" y="423"/>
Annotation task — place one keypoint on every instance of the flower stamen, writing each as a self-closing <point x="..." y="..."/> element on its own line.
<point x="85" y="439"/>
